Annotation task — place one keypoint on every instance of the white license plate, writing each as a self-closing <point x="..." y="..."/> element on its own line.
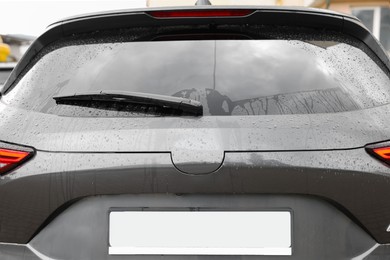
<point x="200" y="233"/>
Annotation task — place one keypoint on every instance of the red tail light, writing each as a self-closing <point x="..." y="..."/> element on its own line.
<point x="384" y="152"/>
<point x="381" y="152"/>
<point x="200" y="13"/>
<point x="12" y="156"/>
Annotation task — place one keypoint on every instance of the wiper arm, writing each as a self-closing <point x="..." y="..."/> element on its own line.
<point x="187" y="106"/>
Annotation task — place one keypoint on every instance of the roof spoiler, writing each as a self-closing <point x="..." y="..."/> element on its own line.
<point x="309" y="18"/>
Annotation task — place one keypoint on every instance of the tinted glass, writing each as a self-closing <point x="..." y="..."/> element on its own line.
<point x="230" y="77"/>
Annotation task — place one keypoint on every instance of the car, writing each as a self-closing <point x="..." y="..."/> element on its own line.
<point x="204" y="132"/>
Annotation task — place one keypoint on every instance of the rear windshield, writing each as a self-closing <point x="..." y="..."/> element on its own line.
<point x="276" y="72"/>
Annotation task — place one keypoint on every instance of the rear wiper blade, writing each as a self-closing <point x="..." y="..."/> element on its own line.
<point x="187" y="106"/>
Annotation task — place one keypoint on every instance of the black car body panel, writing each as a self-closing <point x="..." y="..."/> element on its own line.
<point x="322" y="219"/>
<point x="64" y="177"/>
<point x="314" y="164"/>
<point x="45" y="132"/>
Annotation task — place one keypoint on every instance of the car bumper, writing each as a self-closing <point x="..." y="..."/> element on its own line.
<point x="319" y="230"/>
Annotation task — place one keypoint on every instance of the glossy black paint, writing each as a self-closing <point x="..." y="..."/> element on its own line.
<point x="335" y="131"/>
<point x="351" y="180"/>
<point x="315" y="222"/>
<point x="83" y="227"/>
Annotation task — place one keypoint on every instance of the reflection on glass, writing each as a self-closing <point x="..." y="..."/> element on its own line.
<point x="229" y="77"/>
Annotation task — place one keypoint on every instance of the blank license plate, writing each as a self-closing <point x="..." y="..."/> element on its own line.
<point x="200" y="233"/>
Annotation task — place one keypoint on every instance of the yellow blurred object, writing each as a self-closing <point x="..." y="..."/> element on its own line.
<point x="5" y="50"/>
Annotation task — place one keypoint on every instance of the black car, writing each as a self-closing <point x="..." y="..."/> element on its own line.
<point x="198" y="133"/>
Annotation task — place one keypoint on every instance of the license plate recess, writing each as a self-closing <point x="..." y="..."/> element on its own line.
<point x="200" y="232"/>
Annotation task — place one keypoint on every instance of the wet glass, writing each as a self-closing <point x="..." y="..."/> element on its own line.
<point x="229" y="77"/>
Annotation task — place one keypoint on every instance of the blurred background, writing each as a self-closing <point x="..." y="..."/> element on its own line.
<point x="22" y="21"/>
